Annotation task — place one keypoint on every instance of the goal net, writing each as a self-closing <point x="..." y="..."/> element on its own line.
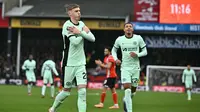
<point x="169" y="79"/>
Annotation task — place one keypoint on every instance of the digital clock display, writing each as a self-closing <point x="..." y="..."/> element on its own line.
<point x="179" y="11"/>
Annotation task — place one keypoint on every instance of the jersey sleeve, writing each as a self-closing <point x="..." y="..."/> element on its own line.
<point x="24" y="65"/>
<point x="183" y="76"/>
<point x="54" y="69"/>
<point x="194" y="76"/>
<point x="111" y="59"/>
<point x="115" y="48"/>
<point x="74" y="39"/>
<point x="142" y="44"/>
<point x="34" y="64"/>
<point x="104" y="60"/>
<point x="42" y="71"/>
<point x="65" y="31"/>
<point x="116" y="44"/>
<point x="88" y="36"/>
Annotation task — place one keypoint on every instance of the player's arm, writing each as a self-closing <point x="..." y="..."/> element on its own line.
<point x="24" y="66"/>
<point x="34" y="68"/>
<point x="34" y="65"/>
<point x="183" y="77"/>
<point x="194" y="76"/>
<point x="115" y="48"/>
<point x="42" y="71"/>
<point x="54" y="69"/>
<point x="87" y="34"/>
<point x="107" y="66"/>
<point x="73" y="38"/>
<point x="143" y="52"/>
<point x="143" y="48"/>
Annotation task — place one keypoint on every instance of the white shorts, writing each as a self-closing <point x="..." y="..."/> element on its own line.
<point x="188" y="84"/>
<point x="130" y="76"/>
<point x="30" y="78"/>
<point x="71" y="73"/>
<point x="48" y="79"/>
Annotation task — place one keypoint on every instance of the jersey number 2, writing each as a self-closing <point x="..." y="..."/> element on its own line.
<point x="84" y="75"/>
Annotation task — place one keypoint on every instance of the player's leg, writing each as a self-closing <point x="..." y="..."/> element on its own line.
<point x="33" y="80"/>
<point x="188" y="86"/>
<point x="189" y="93"/>
<point x="61" y="82"/>
<point x="51" y="81"/>
<point x="127" y="98"/>
<point x="126" y="81"/>
<point x="45" y="82"/>
<point x="103" y="95"/>
<point x="111" y="84"/>
<point x="81" y="78"/>
<point x="133" y="90"/>
<point x="69" y="76"/>
<point x="28" y="77"/>
<point x="60" y="87"/>
<point x="62" y="79"/>
<point x="29" y="88"/>
<point x="135" y="80"/>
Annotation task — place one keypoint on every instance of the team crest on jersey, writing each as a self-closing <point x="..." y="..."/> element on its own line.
<point x="68" y="83"/>
<point x="134" y="43"/>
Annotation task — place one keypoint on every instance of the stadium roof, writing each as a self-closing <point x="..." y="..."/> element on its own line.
<point x="109" y="9"/>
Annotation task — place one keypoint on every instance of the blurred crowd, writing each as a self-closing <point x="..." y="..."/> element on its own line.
<point x="169" y="77"/>
<point x="40" y="53"/>
<point x="173" y="57"/>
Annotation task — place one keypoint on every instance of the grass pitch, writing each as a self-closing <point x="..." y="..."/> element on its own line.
<point x="15" y="99"/>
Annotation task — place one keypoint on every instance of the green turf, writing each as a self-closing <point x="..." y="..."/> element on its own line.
<point x="15" y="99"/>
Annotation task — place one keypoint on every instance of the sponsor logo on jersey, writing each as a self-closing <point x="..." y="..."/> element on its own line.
<point x="130" y="49"/>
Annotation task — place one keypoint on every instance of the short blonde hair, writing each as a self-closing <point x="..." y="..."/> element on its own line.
<point x="71" y="6"/>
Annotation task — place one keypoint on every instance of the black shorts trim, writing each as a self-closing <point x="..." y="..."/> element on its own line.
<point x="110" y="82"/>
<point x="143" y="47"/>
<point x="65" y="58"/>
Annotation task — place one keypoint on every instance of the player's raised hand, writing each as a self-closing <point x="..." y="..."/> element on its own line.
<point x="86" y="29"/>
<point x="98" y="62"/>
<point x="27" y="69"/>
<point x="74" y="30"/>
<point x="118" y="62"/>
<point x="98" y="69"/>
<point x="132" y="54"/>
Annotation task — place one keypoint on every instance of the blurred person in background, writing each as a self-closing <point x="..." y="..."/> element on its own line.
<point x="48" y="67"/>
<point x="178" y="81"/>
<point x="29" y="66"/>
<point x="109" y="65"/>
<point x="187" y="78"/>
<point x="7" y="72"/>
<point x="170" y="81"/>
<point x="61" y="84"/>
<point x="142" y="79"/>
